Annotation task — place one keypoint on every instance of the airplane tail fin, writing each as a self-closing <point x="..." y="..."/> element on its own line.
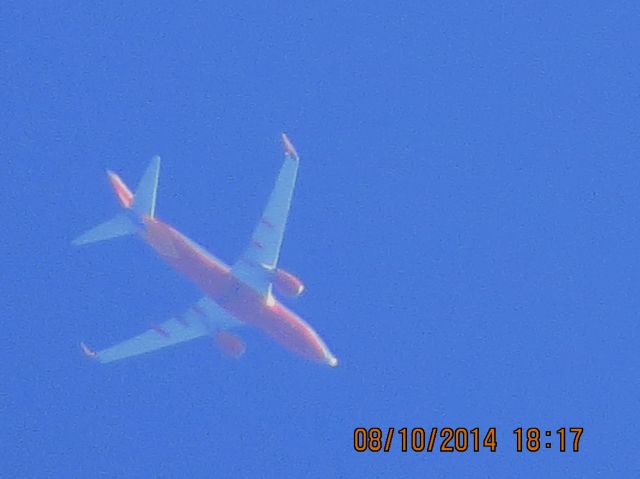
<point x="141" y="203"/>
<point x="144" y="200"/>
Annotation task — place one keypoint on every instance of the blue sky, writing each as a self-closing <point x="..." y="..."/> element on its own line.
<point x="466" y="223"/>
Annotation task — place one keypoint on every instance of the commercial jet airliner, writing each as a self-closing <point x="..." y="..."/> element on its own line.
<point x="233" y="296"/>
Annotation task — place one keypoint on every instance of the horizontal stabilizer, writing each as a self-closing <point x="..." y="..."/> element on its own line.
<point x="119" y="225"/>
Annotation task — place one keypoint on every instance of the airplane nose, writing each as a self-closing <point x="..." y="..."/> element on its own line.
<point x="332" y="360"/>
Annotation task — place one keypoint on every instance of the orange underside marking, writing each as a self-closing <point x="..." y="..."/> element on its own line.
<point x="267" y="222"/>
<point x="159" y="330"/>
<point x="182" y="320"/>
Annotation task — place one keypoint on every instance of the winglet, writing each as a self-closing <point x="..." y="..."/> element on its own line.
<point x="288" y="147"/>
<point x="88" y="352"/>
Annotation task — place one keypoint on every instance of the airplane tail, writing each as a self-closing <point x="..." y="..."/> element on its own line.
<point x="139" y="204"/>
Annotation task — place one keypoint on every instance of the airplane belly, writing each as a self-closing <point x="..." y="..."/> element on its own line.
<point x="238" y="300"/>
<point x="284" y="326"/>
<point x="205" y="271"/>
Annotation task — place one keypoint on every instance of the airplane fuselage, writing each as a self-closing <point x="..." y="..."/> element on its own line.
<point x="216" y="280"/>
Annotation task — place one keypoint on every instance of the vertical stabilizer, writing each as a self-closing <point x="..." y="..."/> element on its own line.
<point x="144" y="198"/>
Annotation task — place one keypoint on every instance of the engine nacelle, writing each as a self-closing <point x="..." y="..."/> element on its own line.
<point x="287" y="284"/>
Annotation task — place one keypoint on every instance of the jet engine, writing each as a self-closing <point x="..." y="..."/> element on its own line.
<point x="287" y="284"/>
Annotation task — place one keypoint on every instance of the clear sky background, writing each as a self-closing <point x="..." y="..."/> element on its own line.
<point x="466" y="223"/>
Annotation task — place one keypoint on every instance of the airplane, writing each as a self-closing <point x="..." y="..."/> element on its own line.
<point x="234" y="296"/>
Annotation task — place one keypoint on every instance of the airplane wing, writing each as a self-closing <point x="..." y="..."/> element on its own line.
<point x="261" y="256"/>
<point x="202" y="319"/>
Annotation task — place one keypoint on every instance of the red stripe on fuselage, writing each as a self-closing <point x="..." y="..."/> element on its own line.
<point x="215" y="279"/>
